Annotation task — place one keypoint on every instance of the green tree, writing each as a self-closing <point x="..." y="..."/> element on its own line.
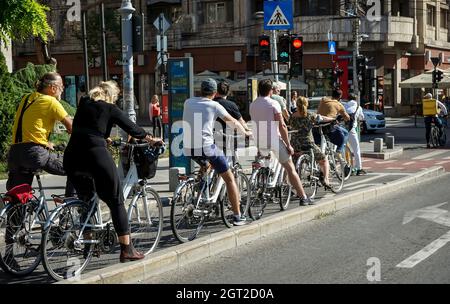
<point x="21" y="18"/>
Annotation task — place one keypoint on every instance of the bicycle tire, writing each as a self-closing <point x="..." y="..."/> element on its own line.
<point x="258" y="184"/>
<point x="443" y="139"/>
<point x="434" y="137"/>
<point x="61" y="230"/>
<point x="23" y="255"/>
<point x="146" y="219"/>
<point x="336" y="173"/>
<point x="226" y="210"/>
<point x="185" y="223"/>
<point x="284" y="191"/>
<point x="305" y="171"/>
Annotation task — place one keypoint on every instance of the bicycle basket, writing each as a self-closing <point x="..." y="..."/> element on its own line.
<point x="20" y="194"/>
<point x="146" y="160"/>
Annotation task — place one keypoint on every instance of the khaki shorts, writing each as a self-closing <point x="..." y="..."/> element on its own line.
<point x="281" y="152"/>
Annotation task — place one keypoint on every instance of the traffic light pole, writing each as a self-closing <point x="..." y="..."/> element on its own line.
<point x="356" y="24"/>
<point x="274" y="55"/>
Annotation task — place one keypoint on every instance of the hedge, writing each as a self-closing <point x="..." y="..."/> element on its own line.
<point x="12" y="87"/>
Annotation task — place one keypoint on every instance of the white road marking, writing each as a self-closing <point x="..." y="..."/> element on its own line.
<point x="409" y="163"/>
<point x="436" y="215"/>
<point x="430" y="154"/>
<point x="447" y="157"/>
<point x="395" y="168"/>
<point x="425" y="252"/>
<point x="443" y="162"/>
<point x="365" y="180"/>
<point x="386" y="162"/>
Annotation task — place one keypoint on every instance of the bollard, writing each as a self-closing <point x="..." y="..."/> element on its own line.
<point x="378" y="145"/>
<point x="390" y="142"/>
<point x="174" y="172"/>
<point x="386" y="135"/>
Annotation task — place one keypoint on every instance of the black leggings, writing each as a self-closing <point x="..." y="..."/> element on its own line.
<point x="98" y="163"/>
<point x="157" y="123"/>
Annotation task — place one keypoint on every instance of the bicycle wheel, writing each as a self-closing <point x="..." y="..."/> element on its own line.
<point x="434" y="137"/>
<point x="226" y="210"/>
<point x="145" y="217"/>
<point x="284" y="191"/>
<point x="305" y="171"/>
<point x="349" y="160"/>
<point x="20" y="239"/>
<point x="259" y="201"/>
<point x="63" y="256"/>
<point x="336" y="173"/>
<point x="186" y="220"/>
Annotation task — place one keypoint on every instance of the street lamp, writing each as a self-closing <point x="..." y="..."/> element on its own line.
<point x="126" y="10"/>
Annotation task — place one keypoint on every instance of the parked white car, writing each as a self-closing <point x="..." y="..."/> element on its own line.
<point x="373" y="120"/>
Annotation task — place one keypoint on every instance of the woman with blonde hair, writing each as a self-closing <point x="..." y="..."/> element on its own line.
<point x="303" y="121"/>
<point x="87" y="155"/>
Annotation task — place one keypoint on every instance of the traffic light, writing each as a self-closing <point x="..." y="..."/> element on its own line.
<point x="284" y="43"/>
<point x="439" y="75"/>
<point x="138" y="33"/>
<point x="361" y="65"/>
<point x="433" y="76"/>
<point x="296" y="55"/>
<point x="264" y="47"/>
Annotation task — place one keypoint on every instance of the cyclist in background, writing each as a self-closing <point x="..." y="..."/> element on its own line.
<point x="429" y="118"/>
<point x="303" y="121"/>
<point x="271" y="134"/>
<point x="87" y="156"/>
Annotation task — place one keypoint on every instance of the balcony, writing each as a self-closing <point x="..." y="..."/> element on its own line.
<point x="389" y="29"/>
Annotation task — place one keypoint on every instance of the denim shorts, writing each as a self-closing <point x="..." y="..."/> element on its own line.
<point x="211" y="155"/>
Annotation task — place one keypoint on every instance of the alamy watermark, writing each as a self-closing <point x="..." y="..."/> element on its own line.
<point x="373" y="10"/>
<point x="374" y="272"/>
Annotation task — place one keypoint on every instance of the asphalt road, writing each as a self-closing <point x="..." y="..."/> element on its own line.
<point x="346" y="247"/>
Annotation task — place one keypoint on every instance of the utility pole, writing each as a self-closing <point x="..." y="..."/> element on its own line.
<point x="126" y="10"/>
<point x="162" y="53"/>
<point x="104" y="60"/>
<point x="85" y="50"/>
<point x="356" y="24"/>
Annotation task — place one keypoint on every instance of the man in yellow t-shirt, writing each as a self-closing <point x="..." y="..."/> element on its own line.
<point x="35" y="118"/>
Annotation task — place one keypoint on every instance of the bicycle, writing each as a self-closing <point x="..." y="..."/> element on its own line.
<point x="21" y="223"/>
<point x="75" y="231"/>
<point x="269" y="185"/>
<point x="435" y="140"/>
<point x="200" y="199"/>
<point x="349" y="160"/>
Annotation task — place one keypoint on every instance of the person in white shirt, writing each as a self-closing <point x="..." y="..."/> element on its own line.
<point x="199" y="118"/>
<point x="356" y="115"/>
<point x="271" y="134"/>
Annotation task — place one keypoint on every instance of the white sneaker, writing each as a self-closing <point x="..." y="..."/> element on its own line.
<point x="240" y="220"/>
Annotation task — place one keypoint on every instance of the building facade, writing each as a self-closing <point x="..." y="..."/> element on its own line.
<point x="222" y="36"/>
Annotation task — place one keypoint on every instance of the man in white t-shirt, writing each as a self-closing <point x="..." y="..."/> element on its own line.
<point x="271" y="134"/>
<point x="356" y="114"/>
<point x="199" y="118"/>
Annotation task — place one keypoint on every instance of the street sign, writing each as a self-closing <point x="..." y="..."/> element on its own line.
<point x="165" y="24"/>
<point x="278" y="15"/>
<point x="283" y="68"/>
<point x="332" y="47"/>
<point x="435" y="60"/>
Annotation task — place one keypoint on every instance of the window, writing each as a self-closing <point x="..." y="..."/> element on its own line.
<point x="431" y="15"/>
<point x="316" y="7"/>
<point x="444" y="18"/>
<point x="219" y="12"/>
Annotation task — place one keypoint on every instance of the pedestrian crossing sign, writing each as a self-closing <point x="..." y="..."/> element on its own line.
<point x="332" y="47"/>
<point x="278" y="15"/>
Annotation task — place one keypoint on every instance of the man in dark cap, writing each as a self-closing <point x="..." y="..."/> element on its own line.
<point x="199" y="117"/>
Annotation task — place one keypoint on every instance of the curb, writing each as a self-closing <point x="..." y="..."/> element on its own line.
<point x="387" y="154"/>
<point x="173" y="258"/>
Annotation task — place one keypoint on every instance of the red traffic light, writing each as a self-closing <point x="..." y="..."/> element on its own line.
<point x="264" y="42"/>
<point x="297" y="43"/>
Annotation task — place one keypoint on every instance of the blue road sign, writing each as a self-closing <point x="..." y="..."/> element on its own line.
<point x="278" y="15"/>
<point x="332" y="47"/>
